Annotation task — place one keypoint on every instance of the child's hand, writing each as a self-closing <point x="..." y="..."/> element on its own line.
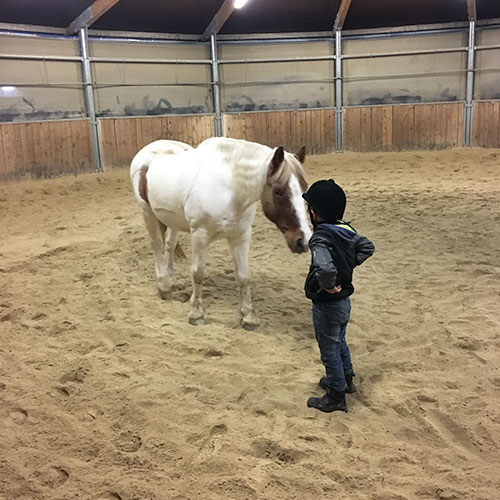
<point x="337" y="289"/>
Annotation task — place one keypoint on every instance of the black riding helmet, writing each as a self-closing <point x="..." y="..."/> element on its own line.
<point x="327" y="199"/>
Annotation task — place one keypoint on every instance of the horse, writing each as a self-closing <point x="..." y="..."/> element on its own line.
<point x="212" y="191"/>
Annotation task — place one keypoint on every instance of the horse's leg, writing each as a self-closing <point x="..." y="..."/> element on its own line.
<point x="200" y="241"/>
<point x="170" y="244"/>
<point x="156" y="232"/>
<point x="240" y="248"/>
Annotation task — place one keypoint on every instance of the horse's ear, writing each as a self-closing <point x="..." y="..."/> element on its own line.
<point x="276" y="162"/>
<point x="301" y="155"/>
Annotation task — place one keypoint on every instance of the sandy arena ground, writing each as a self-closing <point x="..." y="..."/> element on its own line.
<point x="106" y="392"/>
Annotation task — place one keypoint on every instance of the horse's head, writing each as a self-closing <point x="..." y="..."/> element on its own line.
<point x="282" y="200"/>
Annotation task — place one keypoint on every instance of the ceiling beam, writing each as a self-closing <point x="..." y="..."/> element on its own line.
<point x="342" y="14"/>
<point x="90" y="15"/>
<point x="471" y="10"/>
<point x="218" y="20"/>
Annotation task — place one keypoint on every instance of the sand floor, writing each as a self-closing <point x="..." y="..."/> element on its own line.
<point x="106" y="392"/>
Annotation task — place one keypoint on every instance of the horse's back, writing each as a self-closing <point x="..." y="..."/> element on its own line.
<point x="145" y="157"/>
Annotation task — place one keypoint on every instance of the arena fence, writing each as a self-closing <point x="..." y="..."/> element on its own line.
<point x="427" y="87"/>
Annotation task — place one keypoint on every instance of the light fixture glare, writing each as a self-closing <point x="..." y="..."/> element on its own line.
<point x="238" y="4"/>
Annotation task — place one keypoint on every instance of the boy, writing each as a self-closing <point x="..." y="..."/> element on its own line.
<point x="336" y="250"/>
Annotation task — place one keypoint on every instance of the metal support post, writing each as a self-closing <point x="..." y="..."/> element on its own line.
<point x="469" y="92"/>
<point x="89" y="99"/>
<point x="339" y="111"/>
<point x="215" y="85"/>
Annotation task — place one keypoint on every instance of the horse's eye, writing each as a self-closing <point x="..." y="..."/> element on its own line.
<point x="278" y="192"/>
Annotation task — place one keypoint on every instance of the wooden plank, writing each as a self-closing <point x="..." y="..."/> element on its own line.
<point x="490" y="135"/>
<point x="496" y="125"/>
<point x="440" y="123"/>
<point x="121" y="141"/>
<point x="221" y="16"/>
<point x="366" y="128"/>
<point x="3" y="161"/>
<point x="397" y="113"/>
<point x="471" y="10"/>
<point x="46" y="155"/>
<point x="19" y="159"/>
<point x="411" y="136"/>
<point x="83" y="149"/>
<point x="9" y="150"/>
<point x="30" y="130"/>
<point x="90" y="15"/>
<point x="342" y="14"/>
<point x="452" y="127"/>
<point x="108" y="142"/>
<point x="432" y="126"/>
<point x="376" y="129"/>
<point x="460" y="133"/>
<point x="352" y="138"/>
<point x="133" y="145"/>
<point x="386" y="128"/>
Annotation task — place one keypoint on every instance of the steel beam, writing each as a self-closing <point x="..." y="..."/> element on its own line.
<point x="469" y="91"/>
<point x="339" y="111"/>
<point x="215" y="86"/>
<point x="89" y="99"/>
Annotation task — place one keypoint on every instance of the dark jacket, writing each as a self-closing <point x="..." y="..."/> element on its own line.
<point x="336" y="250"/>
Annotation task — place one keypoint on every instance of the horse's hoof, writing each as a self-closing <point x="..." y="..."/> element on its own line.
<point x="250" y="323"/>
<point x="196" y="320"/>
<point x="165" y="294"/>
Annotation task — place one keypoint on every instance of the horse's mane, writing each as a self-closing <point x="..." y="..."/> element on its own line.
<point x="249" y="162"/>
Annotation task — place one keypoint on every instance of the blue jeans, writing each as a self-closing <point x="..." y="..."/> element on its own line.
<point x="330" y="322"/>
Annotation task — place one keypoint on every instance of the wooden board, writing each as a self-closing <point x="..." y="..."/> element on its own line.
<point x="403" y="127"/>
<point x="122" y="138"/>
<point x="486" y="124"/>
<point x="44" y="149"/>
<point x="313" y="128"/>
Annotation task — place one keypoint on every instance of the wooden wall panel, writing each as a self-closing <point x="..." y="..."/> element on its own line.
<point x="403" y="127"/>
<point x="486" y="124"/>
<point x="122" y="138"/>
<point x="314" y="128"/>
<point x="44" y="149"/>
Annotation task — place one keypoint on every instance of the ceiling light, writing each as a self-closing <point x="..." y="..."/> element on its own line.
<point x="238" y="4"/>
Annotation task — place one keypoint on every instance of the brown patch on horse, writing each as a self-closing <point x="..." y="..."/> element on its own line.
<point x="143" y="183"/>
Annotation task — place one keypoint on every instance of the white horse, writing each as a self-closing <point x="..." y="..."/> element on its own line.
<point x="212" y="192"/>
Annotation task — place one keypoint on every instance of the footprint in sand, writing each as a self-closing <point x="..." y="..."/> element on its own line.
<point x="61" y="391"/>
<point x="342" y="434"/>
<point x="267" y="448"/>
<point x="128" y="442"/>
<point x="18" y="416"/>
<point x="109" y="495"/>
<point x="52" y="477"/>
<point x="2" y="386"/>
<point x="448" y="430"/>
<point x="76" y="375"/>
<point x="214" y="442"/>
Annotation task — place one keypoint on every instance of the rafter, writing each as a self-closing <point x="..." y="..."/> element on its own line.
<point x="90" y="15"/>
<point x="218" y="20"/>
<point x="342" y="14"/>
<point x="471" y="10"/>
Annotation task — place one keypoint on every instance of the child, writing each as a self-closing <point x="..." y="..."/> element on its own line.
<point x="336" y="250"/>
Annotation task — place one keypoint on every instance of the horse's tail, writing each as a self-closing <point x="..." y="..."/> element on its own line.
<point x="178" y="252"/>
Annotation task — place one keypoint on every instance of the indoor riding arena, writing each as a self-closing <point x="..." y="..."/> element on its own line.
<point x="107" y="392"/>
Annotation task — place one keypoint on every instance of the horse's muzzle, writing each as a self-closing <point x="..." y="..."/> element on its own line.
<point x="299" y="246"/>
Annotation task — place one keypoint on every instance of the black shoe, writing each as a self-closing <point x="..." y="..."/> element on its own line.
<point x="351" y="388"/>
<point x="333" y="401"/>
